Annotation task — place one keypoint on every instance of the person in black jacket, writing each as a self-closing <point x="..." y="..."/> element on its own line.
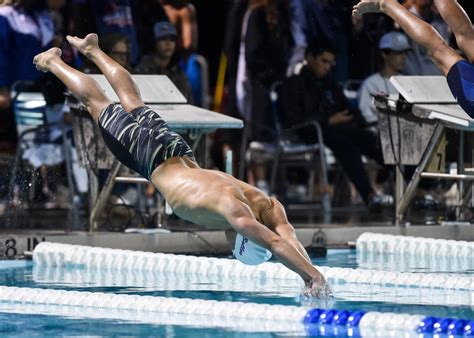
<point x="314" y="95"/>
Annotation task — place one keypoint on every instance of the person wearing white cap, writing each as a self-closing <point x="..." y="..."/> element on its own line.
<point x="142" y="140"/>
<point x="393" y="48"/>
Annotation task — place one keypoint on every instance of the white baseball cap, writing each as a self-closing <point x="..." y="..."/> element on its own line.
<point x="248" y="252"/>
<point x="395" y="41"/>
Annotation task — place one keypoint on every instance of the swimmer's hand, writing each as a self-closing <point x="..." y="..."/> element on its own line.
<point x="318" y="288"/>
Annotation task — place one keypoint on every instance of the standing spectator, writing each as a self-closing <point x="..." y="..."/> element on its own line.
<point x="182" y="14"/>
<point x="164" y="59"/>
<point x="393" y="48"/>
<point x="363" y="44"/>
<point x="230" y="139"/>
<point x="26" y="29"/>
<point x="106" y="16"/>
<point x="313" y="95"/>
<point x="145" y="14"/>
<point x="268" y="43"/>
<point x="419" y="61"/>
<point x="324" y="20"/>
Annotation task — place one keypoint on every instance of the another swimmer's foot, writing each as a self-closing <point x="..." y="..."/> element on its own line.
<point x="43" y="60"/>
<point x="86" y="46"/>
<point x="368" y="6"/>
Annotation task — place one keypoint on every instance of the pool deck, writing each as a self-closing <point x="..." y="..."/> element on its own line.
<point x="341" y="231"/>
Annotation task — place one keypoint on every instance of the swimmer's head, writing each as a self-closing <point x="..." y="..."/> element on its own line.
<point x="248" y="252"/>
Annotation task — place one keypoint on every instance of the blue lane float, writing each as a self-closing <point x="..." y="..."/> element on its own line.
<point x="317" y="320"/>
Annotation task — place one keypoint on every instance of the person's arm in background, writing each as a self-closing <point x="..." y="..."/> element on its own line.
<point x="343" y="112"/>
<point x="366" y="105"/>
<point x="256" y="47"/>
<point x="189" y="28"/>
<point x="298" y="23"/>
<point x="5" y="36"/>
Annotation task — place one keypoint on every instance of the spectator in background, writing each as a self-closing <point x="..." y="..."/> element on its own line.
<point x="145" y="14"/>
<point x="363" y="44"/>
<point x="118" y="47"/>
<point x="182" y="14"/>
<point x="26" y="28"/>
<point x="419" y="61"/>
<point x="230" y="139"/>
<point x="393" y="48"/>
<point x="106" y="16"/>
<point x="313" y="95"/>
<point x="268" y="43"/>
<point x="164" y="59"/>
<point x="325" y="20"/>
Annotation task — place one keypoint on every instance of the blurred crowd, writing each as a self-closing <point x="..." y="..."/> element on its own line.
<point x="324" y="63"/>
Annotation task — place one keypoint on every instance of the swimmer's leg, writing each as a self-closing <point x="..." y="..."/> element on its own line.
<point x="458" y="21"/>
<point x="420" y="31"/>
<point x="86" y="89"/>
<point x="118" y="77"/>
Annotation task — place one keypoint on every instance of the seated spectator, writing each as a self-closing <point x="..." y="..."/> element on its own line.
<point x="393" y="48"/>
<point x="313" y="95"/>
<point x="164" y="59"/>
<point x="117" y="46"/>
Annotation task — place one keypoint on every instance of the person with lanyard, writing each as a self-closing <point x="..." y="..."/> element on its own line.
<point x="393" y="48"/>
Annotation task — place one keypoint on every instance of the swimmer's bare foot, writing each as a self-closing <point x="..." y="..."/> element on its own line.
<point x="368" y="6"/>
<point x="87" y="45"/>
<point x="43" y="60"/>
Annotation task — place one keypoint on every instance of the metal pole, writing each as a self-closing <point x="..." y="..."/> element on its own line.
<point x="459" y="212"/>
<point x="104" y="195"/>
<point x="399" y="191"/>
<point x="425" y="160"/>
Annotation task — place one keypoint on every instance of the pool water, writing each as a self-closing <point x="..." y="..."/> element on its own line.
<point x="24" y="274"/>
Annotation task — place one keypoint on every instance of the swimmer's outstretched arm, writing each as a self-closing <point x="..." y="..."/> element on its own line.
<point x="458" y="21"/>
<point x="420" y="31"/>
<point x="277" y="220"/>
<point x="243" y="221"/>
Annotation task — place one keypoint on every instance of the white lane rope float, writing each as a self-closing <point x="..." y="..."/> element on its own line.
<point x="183" y="311"/>
<point x="55" y="254"/>
<point x="374" y="243"/>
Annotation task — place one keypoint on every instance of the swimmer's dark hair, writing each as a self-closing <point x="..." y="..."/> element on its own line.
<point x="316" y="48"/>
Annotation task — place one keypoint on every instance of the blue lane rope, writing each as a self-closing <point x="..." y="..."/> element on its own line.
<point x="315" y="318"/>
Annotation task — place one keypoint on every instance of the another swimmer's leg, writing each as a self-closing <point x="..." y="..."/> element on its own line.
<point x="458" y="21"/>
<point x="118" y="77"/>
<point x="85" y="88"/>
<point x="420" y="31"/>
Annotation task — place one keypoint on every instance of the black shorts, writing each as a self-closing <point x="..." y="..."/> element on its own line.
<point x="461" y="83"/>
<point x="141" y="140"/>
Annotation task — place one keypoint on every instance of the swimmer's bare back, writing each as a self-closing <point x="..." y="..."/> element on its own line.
<point x="204" y="196"/>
